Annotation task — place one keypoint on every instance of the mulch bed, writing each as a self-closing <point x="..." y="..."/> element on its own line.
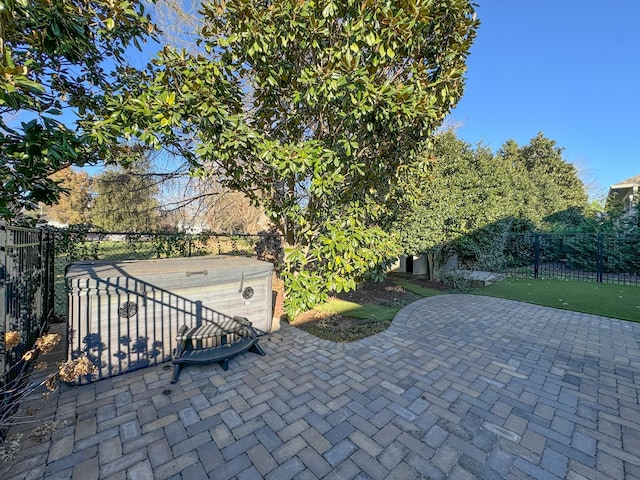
<point x="339" y="328"/>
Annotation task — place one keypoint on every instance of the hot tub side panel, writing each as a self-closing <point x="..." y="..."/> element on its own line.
<point x="124" y="323"/>
<point x="121" y="331"/>
<point x="250" y="299"/>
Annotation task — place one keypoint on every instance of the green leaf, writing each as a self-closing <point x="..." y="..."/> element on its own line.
<point x="30" y="85"/>
<point x="329" y="10"/>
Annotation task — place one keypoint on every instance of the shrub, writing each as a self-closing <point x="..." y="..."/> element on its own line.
<point x="19" y="387"/>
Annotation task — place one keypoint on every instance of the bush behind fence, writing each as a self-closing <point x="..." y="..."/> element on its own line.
<point x="598" y="257"/>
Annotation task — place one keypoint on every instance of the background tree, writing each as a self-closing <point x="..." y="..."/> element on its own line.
<point x="193" y="204"/>
<point x="74" y="202"/>
<point x="125" y="200"/>
<point x="51" y="60"/>
<point x="553" y="184"/>
<point x="464" y="189"/>
<point x="473" y="200"/>
<point x="313" y="110"/>
<point x="234" y="213"/>
<point x="609" y="216"/>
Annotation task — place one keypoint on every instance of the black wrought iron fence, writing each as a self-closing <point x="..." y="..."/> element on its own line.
<point x="597" y="257"/>
<point x="26" y="295"/>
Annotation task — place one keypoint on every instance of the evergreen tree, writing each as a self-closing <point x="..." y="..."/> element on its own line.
<point x="125" y="200"/>
<point x="552" y="184"/>
<point x="472" y="200"/>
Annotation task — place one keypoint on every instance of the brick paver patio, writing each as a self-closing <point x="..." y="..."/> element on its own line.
<point x="458" y="387"/>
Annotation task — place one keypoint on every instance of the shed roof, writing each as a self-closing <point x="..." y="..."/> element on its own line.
<point x="627" y="183"/>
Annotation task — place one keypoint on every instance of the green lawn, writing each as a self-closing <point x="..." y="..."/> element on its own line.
<point x="374" y="311"/>
<point x="417" y="289"/>
<point x="616" y="301"/>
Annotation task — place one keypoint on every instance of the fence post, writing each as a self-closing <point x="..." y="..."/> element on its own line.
<point x="599" y="260"/>
<point x="3" y="294"/>
<point x="49" y="273"/>
<point x="536" y="260"/>
<point x="42" y="315"/>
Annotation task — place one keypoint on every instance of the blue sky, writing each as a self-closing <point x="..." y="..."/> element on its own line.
<point x="567" y="68"/>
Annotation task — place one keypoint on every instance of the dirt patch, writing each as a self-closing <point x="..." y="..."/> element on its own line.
<point x="338" y="328"/>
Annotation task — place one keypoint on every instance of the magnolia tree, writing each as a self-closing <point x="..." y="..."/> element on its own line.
<point x="52" y="61"/>
<point x="315" y="110"/>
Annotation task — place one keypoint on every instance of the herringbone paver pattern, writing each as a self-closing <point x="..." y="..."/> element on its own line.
<point x="458" y="387"/>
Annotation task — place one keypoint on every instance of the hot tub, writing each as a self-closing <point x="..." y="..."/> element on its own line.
<point x="125" y="315"/>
